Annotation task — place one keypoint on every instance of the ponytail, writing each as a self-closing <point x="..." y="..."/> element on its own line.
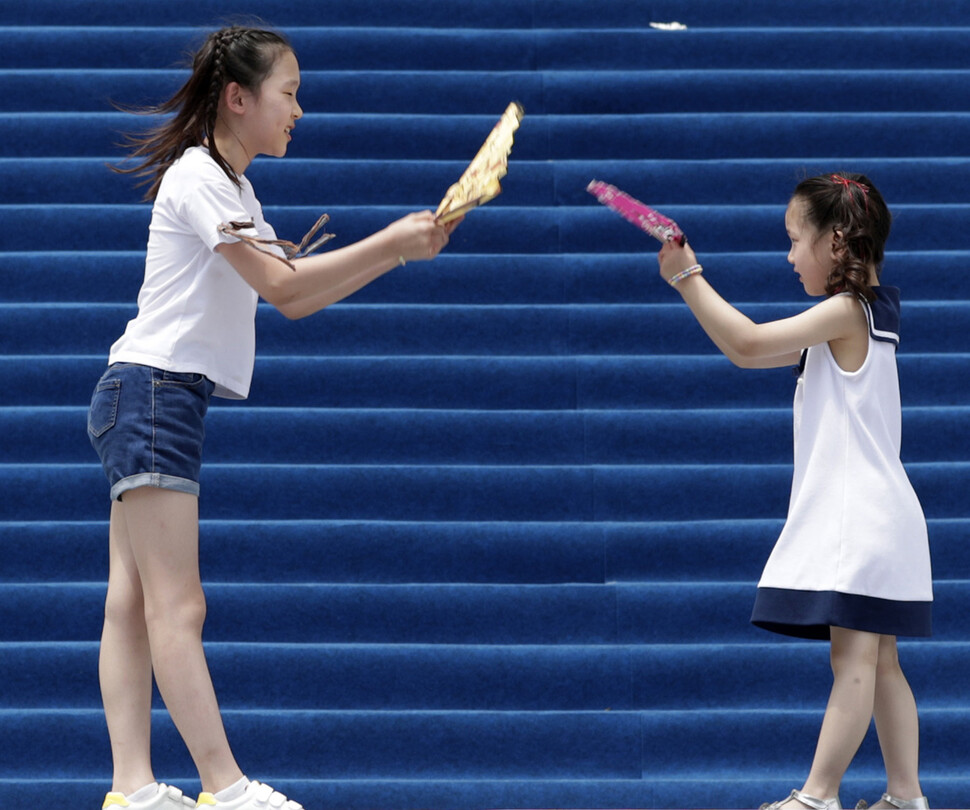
<point x="234" y="54"/>
<point x="851" y="208"/>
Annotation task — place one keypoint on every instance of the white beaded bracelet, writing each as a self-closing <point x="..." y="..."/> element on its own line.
<point x="693" y="270"/>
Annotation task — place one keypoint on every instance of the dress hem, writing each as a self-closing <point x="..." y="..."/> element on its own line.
<point x="810" y="614"/>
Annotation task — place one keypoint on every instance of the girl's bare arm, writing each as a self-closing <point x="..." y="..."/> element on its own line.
<point x="760" y="345"/>
<point x="325" y="278"/>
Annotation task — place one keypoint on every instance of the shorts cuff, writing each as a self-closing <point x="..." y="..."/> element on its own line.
<point x="158" y="480"/>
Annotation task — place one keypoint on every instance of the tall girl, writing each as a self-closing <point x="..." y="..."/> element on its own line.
<point x="193" y="338"/>
<point x="852" y="563"/>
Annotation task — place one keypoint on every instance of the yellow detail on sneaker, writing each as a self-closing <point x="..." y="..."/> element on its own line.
<point x="114" y="799"/>
<point x="205" y="798"/>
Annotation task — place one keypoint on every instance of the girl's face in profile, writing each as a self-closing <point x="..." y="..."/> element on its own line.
<point x="811" y="256"/>
<point x="274" y="111"/>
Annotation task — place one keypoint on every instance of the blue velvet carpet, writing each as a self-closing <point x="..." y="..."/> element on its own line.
<point x="487" y="533"/>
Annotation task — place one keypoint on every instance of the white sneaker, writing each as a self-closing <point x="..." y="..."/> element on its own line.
<point x="257" y="797"/>
<point x="167" y="798"/>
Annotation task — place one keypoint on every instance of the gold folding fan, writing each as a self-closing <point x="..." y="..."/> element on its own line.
<point x="479" y="183"/>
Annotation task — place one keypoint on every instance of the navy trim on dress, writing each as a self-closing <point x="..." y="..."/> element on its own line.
<point x="883" y="314"/>
<point x="809" y="614"/>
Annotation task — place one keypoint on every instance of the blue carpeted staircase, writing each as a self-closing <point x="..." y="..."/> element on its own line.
<point x="486" y="534"/>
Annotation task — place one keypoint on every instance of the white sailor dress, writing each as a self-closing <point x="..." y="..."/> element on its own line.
<point x="854" y="551"/>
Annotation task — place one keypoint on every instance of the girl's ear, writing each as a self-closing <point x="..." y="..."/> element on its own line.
<point x="235" y="96"/>
<point x="836" y="238"/>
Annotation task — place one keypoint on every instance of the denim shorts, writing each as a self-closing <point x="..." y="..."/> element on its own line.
<point x="147" y="426"/>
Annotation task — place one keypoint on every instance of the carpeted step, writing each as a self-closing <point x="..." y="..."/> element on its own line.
<point x="620" y="613"/>
<point x="474" y="745"/>
<point x="721" y="788"/>
<point x="462" y="278"/>
<point x="670" y="136"/>
<point x="509" y="14"/>
<point x="540" y="91"/>
<point x="60" y="180"/>
<point x="497" y="552"/>
<point x="442" y="677"/>
<point x="580" y="229"/>
<point x="482" y="330"/>
<point x="391" y="436"/>
<point x="462" y="492"/>
<point x="485" y="383"/>
<point x="639" y="49"/>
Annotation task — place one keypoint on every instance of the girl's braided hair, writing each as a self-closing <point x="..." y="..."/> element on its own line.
<point x="240" y="54"/>
<point x="851" y="208"/>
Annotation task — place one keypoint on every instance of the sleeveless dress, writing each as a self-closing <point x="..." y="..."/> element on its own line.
<point x="854" y="551"/>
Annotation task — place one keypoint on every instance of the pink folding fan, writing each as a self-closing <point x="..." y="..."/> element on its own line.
<point x="641" y="215"/>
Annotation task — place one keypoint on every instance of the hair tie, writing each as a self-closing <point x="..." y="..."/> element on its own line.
<point x="848" y="183"/>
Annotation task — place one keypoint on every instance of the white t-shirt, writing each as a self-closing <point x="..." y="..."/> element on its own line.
<point x="195" y="312"/>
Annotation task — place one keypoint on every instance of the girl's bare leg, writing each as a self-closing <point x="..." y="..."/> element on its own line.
<point x="897" y="724"/>
<point x="125" y="665"/>
<point x="848" y="714"/>
<point x="163" y="538"/>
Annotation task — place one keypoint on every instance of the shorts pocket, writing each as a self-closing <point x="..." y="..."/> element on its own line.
<point x="190" y="379"/>
<point x="104" y="407"/>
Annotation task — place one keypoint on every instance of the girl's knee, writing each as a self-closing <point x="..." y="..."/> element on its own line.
<point x="183" y="613"/>
<point x="888" y="664"/>
<point x="853" y="649"/>
<point x="124" y="606"/>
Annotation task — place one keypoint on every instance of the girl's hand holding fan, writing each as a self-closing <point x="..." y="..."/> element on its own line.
<point x="676" y="258"/>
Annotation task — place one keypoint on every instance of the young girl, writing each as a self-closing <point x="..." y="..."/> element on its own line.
<point x="193" y="338"/>
<point x="852" y="562"/>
